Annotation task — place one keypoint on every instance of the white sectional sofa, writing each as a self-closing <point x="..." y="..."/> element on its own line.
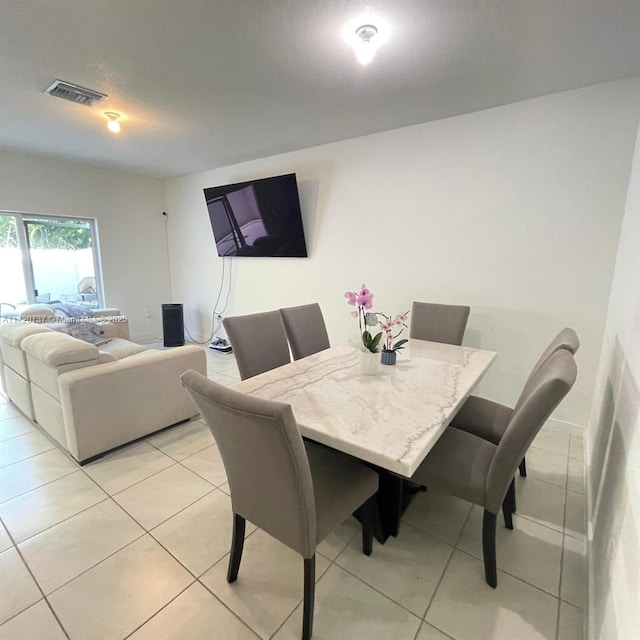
<point x="90" y="399"/>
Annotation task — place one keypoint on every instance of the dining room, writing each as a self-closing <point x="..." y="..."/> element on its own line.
<point x="478" y="484"/>
<point x="526" y="244"/>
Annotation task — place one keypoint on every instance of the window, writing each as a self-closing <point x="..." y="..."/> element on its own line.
<point x="48" y="259"/>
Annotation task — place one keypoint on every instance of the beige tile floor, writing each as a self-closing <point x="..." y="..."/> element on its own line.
<point x="135" y="545"/>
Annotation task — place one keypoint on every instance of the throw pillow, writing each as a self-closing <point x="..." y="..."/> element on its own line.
<point x="86" y="331"/>
<point x="71" y="310"/>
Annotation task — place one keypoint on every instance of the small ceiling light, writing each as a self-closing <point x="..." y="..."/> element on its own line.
<point x="113" y="125"/>
<point x="364" y="45"/>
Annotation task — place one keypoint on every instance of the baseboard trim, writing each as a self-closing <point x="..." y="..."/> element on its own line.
<point x="566" y="427"/>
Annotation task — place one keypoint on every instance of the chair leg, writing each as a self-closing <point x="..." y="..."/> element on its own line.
<point x="506" y="510"/>
<point x="367" y="525"/>
<point x="237" y="544"/>
<point x="523" y="468"/>
<point x="309" y="596"/>
<point x="489" y="548"/>
<point x="513" y="495"/>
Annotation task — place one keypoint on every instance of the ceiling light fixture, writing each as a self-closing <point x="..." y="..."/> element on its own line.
<point x="113" y="125"/>
<point x="364" y="45"/>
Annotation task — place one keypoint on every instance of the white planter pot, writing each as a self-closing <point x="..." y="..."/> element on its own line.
<point x="369" y="363"/>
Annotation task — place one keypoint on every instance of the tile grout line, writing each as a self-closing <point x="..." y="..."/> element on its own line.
<point x="174" y="462"/>
<point x="44" y="597"/>
<point x="164" y="606"/>
<point x="169" y="517"/>
<point x="108" y="497"/>
<point x="18" y="435"/>
<point x="444" y="571"/>
<point x="564" y="528"/>
<point x="137" y="482"/>
<point x="533" y="586"/>
<point x="150" y="532"/>
<point x="18" y="415"/>
<point x="95" y="504"/>
<point x="331" y="563"/>
<point x="224" y="604"/>
<point x="374" y="588"/>
<point x="29" y="457"/>
<point x="93" y="566"/>
<point x="235" y="615"/>
<point x="213" y="444"/>
<point x="508" y="573"/>
<point x="99" y="561"/>
<point x="24" y="493"/>
<point x="144" y="533"/>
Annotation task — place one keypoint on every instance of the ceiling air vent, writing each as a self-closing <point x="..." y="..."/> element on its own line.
<point x="74" y="93"/>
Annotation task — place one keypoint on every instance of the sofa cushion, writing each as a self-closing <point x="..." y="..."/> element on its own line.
<point x="54" y="349"/>
<point x="122" y="348"/>
<point x="106" y="357"/>
<point x="38" y="313"/>
<point x="10" y="338"/>
<point x="14" y="334"/>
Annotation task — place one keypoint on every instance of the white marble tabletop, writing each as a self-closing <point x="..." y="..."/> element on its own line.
<point x="392" y="419"/>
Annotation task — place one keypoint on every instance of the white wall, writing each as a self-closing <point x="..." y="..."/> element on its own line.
<point x="132" y="231"/>
<point x="515" y="211"/>
<point x="613" y="447"/>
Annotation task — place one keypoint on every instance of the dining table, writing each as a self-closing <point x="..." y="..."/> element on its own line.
<point x="390" y="420"/>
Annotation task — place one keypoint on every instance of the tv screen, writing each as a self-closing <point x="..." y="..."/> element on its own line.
<point x="257" y="218"/>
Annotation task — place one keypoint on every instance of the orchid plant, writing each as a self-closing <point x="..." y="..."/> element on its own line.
<point x="363" y="300"/>
<point x="392" y="328"/>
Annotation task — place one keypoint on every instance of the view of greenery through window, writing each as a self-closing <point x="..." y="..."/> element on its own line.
<point x="71" y="234"/>
<point x="46" y="259"/>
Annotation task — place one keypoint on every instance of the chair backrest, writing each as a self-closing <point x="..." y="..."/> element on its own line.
<point x="87" y="285"/>
<point x="542" y="394"/>
<point x="438" y="322"/>
<point x="259" y="342"/>
<point x="305" y="329"/>
<point x="265" y="460"/>
<point x="566" y="339"/>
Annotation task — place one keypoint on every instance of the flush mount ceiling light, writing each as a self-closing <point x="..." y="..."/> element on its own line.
<point x="113" y="125"/>
<point x="365" y="44"/>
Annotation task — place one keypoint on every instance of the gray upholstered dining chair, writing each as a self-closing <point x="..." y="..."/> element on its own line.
<point x="480" y="471"/>
<point x="296" y="491"/>
<point x="259" y="342"/>
<point x="487" y="419"/>
<point x="438" y="322"/>
<point x="305" y="329"/>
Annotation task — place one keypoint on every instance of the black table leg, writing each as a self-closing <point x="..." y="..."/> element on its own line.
<point x="393" y="497"/>
<point x="390" y="494"/>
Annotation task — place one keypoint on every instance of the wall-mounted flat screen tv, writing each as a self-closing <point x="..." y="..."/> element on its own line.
<point x="257" y="218"/>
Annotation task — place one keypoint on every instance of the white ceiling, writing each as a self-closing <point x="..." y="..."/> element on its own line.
<point x="207" y="83"/>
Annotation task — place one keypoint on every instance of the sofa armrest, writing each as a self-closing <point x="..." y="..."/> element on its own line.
<point x="117" y="402"/>
<point x="114" y="328"/>
<point x="104" y="312"/>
